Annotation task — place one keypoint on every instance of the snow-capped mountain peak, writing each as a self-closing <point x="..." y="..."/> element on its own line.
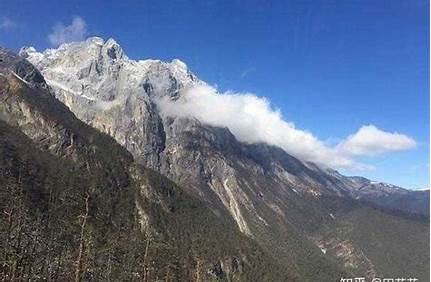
<point x="101" y="71"/>
<point x="116" y="94"/>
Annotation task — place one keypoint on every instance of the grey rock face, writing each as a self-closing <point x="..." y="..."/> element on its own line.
<point x="112" y="93"/>
<point x="21" y="69"/>
<point x="118" y="96"/>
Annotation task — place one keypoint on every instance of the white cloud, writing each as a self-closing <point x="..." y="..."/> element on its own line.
<point x="252" y="119"/>
<point x="371" y="141"/>
<point x="6" y="23"/>
<point x="76" y="31"/>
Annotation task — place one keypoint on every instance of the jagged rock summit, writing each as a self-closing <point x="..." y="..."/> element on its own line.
<point x="96" y="70"/>
<point x="107" y="90"/>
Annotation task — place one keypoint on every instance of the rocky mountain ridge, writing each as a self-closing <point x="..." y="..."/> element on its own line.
<point x="298" y="222"/>
<point x="119" y="96"/>
<point x="78" y="208"/>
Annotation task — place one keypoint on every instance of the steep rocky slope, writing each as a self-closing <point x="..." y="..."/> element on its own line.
<point x="120" y="97"/>
<point x="76" y="207"/>
<point x="288" y="210"/>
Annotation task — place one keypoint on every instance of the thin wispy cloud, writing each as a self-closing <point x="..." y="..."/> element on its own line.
<point x="252" y="120"/>
<point x="75" y="31"/>
<point x="246" y="72"/>
<point x="6" y="23"/>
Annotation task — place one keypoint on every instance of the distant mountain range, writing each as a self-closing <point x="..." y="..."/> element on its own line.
<point x="100" y="185"/>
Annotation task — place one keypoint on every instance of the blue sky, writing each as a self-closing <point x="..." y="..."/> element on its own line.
<point x="329" y="66"/>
